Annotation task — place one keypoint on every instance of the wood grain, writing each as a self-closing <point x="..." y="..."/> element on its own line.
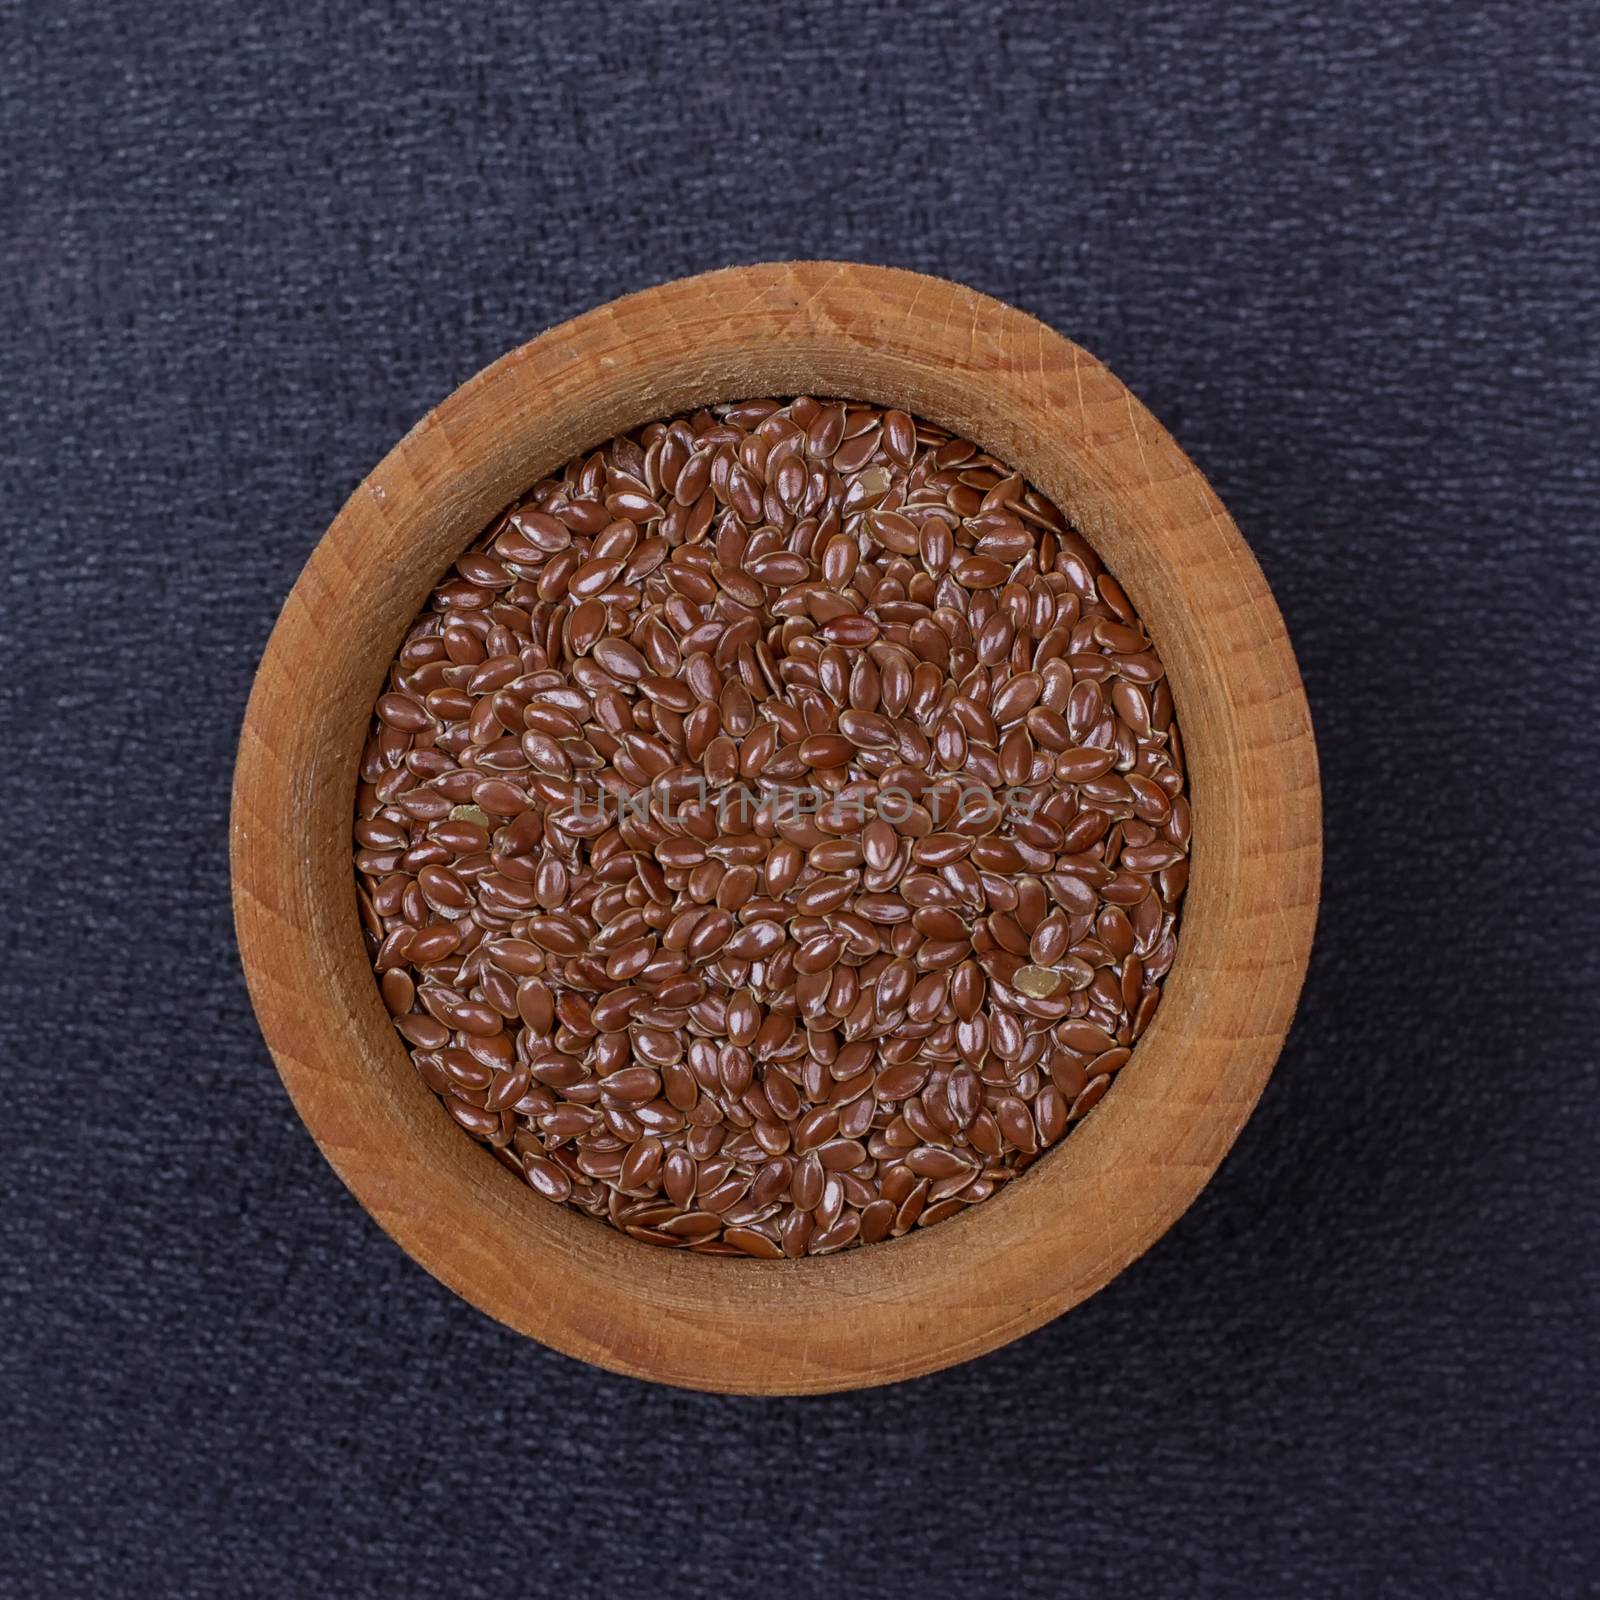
<point x="1083" y="1213"/>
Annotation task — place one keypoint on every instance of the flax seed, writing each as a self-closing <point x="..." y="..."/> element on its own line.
<point x="721" y="1020"/>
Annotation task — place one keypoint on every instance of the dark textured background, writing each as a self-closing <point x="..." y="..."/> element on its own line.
<point x="1347" y="253"/>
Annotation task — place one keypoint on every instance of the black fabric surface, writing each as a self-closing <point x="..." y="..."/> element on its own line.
<point x="1347" y="253"/>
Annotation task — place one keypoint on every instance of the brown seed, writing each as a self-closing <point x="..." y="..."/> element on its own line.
<point x="899" y="437"/>
<point x="754" y="1243"/>
<point x="1085" y="1037"/>
<point x="837" y="1235"/>
<point x="678" y="1175"/>
<point x="779" y="570"/>
<point x="693" y="1225"/>
<point x="912" y="1206"/>
<point x="632" y="1083"/>
<point x="1089" y="1098"/>
<point x="850" y="630"/>
<point x="807" y="1185"/>
<point x="1015" y="758"/>
<point x="398" y="990"/>
<point x="443" y="890"/>
<point x="1016" y="1124"/>
<point x="1083" y="765"/>
<point x="826" y="750"/>
<point x="964" y="1094"/>
<point x="840" y="1154"/>
<point x="928" y="998"/>
<point x="929" y="1161"/>
<point x="743" y="1017"/>
<point x="642" y="1164"/>
<point x="547" y="1178"/>
<point x="967" y="986"/>
<point x="620" y="659"/>
<point x="401" y="711"/>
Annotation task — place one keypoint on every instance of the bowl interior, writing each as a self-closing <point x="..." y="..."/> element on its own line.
<point x="1081" y="1213"/>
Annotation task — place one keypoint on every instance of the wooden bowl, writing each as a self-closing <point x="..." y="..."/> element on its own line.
<point x="887" y="1311"/>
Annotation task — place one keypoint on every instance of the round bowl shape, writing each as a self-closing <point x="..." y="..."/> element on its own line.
<point x="1080" y="1215"/>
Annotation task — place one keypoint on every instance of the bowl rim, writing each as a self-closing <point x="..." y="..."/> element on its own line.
<point x="894" y="1310"/>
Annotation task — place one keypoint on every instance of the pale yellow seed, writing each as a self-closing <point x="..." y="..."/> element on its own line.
<point x="469" y="814"/>
<point x="1037" y="982"/>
